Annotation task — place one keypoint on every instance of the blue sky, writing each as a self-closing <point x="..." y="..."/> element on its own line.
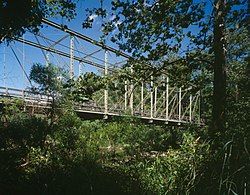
<point x="11" y="73"/>
<point x="12" y="70"/>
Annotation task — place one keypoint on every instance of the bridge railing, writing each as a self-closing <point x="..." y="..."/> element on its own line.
<point x="27" y="95"/>
<point x="174" y="105"/>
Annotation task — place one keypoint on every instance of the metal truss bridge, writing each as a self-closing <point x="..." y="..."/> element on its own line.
<point x="153" y="100"/>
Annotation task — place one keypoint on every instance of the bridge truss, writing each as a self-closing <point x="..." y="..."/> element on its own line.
<point x="152" y="100"/>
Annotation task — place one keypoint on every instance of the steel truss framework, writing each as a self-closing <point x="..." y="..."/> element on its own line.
<point x="154" y="101"/>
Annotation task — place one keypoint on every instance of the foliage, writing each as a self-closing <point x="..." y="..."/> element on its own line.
<point x="226" y="171"/>
<point x="54" y="157"/>
<point x="18" y="137"/>
<point x="68" y="155"/>
<point x="83" y="88"/>
<point x="14" y="23"/>
<point x="189" y="38"/>
<point x="9" y="107"/>
<point x="158" y="160"/>
<point x="145" y="153"/>
<point x="49" y="156"/>
<point x="49" y="78"/>
<point x="176" y="171"/>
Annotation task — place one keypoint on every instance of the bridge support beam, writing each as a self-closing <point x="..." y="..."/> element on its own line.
<point x="167" y="99"/>
<point x="199" y="108"/>
<point x="132" y="93"/>
<point x="23" y="66"/>
<point x="155" y="101"/>
<point x="142" y="98"/>
<point x="179" y="110"/>
<point x="190" y="108"/>
<point x="79" y="69"/>
<point x="126" y="95"/>
<point x="151" y="97"/>
<point x="71" y="71"/>
<point x="47" y="59"/>
<point x="106" y="89"/>
<point x="4" y="67"/>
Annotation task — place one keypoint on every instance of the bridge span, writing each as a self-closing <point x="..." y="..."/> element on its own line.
<point x="149" y="97"/>
<point x="96" y="108"/>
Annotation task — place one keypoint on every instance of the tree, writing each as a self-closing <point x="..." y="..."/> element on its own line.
<point x="227" y="19"/>
<point x="150" y="30"/>
<point x="83" y="88"/>
<point x="219" y="68"/>
<point x="49" y="79"/>
<point x="14" y="22"/>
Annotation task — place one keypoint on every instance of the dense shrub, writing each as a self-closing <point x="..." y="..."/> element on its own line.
<point x="144" y="152"/>
<point x="70" y="155"/>
<point x="123" y="156"/>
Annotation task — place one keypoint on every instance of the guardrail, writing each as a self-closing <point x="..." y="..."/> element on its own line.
<point x="34" y="99"/>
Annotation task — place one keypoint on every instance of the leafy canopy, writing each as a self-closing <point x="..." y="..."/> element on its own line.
<point x="48" y="78"/>
<point x="83" y="88"/>
<point x="168" y="34"/>
<point x="14" y="22"/>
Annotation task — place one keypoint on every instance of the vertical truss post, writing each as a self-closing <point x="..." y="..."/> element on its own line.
<point x="142" y="97"/>
<point x="71" y="71"/>
<point x="167" y="99"/>
<point x="155" y="101"/>
<point x="151" y="97"/>
<point x="194" y="109"/>
<point x="106" y="89"/>
<point x="6" y="91"/>
<point x="179" y="112"/>
<point x="80" y="69"/>
<point x="190" y="108"/>
<point x="199" y="106"/>
<point x="23" y="67"/>
<point x="47" y="59"/>
<point x="132" y="93"/>
<point x="126" y="95"/>
<point x="4" y="67"/>
<point x="23" y="96"/>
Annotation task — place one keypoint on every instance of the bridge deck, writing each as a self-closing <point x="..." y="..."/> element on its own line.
<point x="88" y="110"/>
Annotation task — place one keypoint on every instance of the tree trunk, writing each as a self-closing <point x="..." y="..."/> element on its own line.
<point x="217" y="126"/>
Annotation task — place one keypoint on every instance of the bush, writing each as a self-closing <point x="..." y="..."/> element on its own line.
<point x="18" y="137"/>
<point x="175" y="171"/>
<point x="119" y="157"/>
<point x="145" y="154"/>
